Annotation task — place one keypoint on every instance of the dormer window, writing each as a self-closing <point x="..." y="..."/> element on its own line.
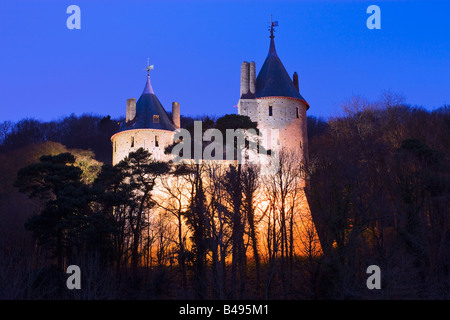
<point x="155" y="118"/>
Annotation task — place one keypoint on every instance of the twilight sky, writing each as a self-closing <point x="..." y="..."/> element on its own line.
<point x="48" y="71"/>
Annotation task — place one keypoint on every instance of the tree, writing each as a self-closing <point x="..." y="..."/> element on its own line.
<point x="235" y="121"/>
<point x="112" y="198"/>
<point x="87" y="132"/>
<point x="175" y="201"/>
<point x="233" y="186"/>
<point x="250" y="186"/>
<point x="24" y="132"/>
<point x="57" y="182"/>
<point x="285" y="197"/>
<point x="140" y="172"/>
<point x="5" y="128"/>
<point x="422" y="191"/>
<point x="234" y="183"/>
<point x="196" y="219"/>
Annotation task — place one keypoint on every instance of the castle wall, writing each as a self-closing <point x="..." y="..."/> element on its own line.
<point x="127" y="141"/>
<point x="292" y="130"/>
<point x="248" y="107"/>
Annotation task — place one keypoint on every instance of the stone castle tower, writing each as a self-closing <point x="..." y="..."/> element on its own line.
<point x="273" y="100"/>
<point x="147" y="125"/>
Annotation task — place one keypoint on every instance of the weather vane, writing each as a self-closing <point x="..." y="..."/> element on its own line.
<point x="272" y="25"/>
<point x="149" y="67"/>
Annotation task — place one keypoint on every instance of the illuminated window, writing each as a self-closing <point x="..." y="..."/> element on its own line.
<point x="270" y="111"/>
<point x="156" y="141"/>
<point x="155" y="119"/>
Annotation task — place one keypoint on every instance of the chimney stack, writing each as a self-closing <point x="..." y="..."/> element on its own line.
<point x="252" y="80"/>
<point x="131" y="110"/>
<point x="176" y="114"/>
<point x="244" y="78"/>
<point x="295" y="81"/>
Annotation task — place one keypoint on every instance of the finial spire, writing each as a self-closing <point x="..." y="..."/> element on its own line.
<point x="149" y="67"/>
<point x="273" y="24"/>
<point x="148" y="86"/>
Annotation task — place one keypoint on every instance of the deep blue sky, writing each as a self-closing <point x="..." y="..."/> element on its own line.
<point x="197" y="47"/>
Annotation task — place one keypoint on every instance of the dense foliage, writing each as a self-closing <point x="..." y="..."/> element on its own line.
<point x="378" y="187"/>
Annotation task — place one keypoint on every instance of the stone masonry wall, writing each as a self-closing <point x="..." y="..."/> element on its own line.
<point x="141" y="138"/>
<point x="291" y="129"/>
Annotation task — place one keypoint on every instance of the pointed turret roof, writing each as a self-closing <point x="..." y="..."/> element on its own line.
<point x="148" y="106"/>
<point x="273" y="79"/>
<point x="148" y="87"/>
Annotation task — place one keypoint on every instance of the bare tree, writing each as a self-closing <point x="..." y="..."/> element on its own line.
<point x="250" y="187"/>
<point x="196" y="219"/>
<point x="5" y="128"/>
<point x="219" y="228"/>
<point x="175" y="201"/>
<point x="287" y="208"/>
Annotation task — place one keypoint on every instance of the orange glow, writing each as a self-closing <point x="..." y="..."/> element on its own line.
<point x="173" y="195"/>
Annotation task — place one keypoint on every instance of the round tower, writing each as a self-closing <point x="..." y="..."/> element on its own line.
<point x="276" y="104"/>
<point x="147" y="126"/>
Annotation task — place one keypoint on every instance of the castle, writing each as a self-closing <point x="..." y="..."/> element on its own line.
<point x="272" y="99"/>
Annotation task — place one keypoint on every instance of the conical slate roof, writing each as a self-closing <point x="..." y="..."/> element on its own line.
<point x="148" y="106"/>
<point x="273" y="79"/>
